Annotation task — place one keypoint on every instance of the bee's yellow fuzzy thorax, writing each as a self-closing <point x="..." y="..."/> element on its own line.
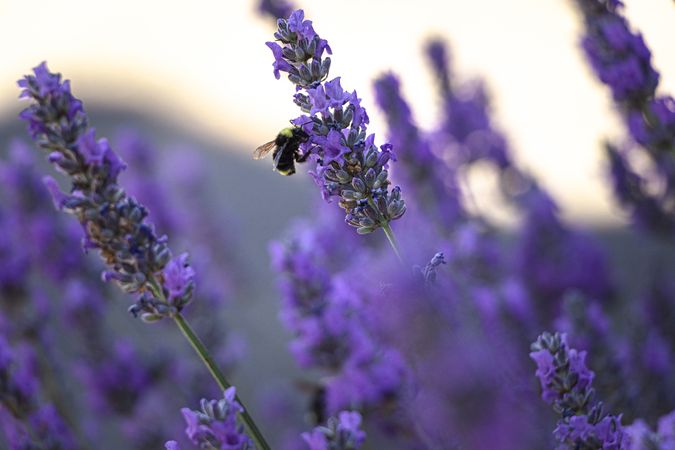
<point x="287" y="132"/>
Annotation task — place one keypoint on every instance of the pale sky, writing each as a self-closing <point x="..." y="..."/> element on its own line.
<point x="203" y="65"/>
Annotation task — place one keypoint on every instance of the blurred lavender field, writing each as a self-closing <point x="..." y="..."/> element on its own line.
<point x="323" y="330"/>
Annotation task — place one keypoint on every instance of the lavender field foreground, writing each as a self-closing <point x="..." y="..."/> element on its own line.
<point x="442" y="331"/>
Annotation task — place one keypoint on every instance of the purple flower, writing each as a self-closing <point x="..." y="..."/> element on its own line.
<point x="349" y="165"/>
<point x="277" y="9"/>
<point x="118" y="382"/>
<point x="466" y="130"/>
<point x="216" y="425"/>
<point x="426" y="176"/>
<point x="113" y="222"/>
<point x="622" y="61"/>
<point x="172" y="445"/>
<point x="643" y="438"/>
<point x="632" y="190"/>
<point x="553" y="259"/>
<point x="566" y="384"/>
<point x="178" y="279"/>
<point x="331" y="328"/>
<point x="280" y="64"/>
<point x="619" y="57"/>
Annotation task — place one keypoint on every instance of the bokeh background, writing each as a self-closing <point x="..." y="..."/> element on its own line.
<point x="197" y="75"/>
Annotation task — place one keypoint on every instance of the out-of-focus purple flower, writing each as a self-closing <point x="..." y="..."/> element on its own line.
<point x="29" y="418"/>
<point x="552" y="259"/>
<point x="39" y="240"/>
<point x="13" y="262"/>
<point x="114" y="223"/>
<point x="172" y="445"/>
<point x="566" y="384"/>
<point x="466" y="131"/>
<point x="618" y="56"/>
<point x="349" y="164"/>
<point x="276" y="9"/>
<point x="330" y="323"/>
<point x="341" y="433"/>
<point x="666" y="431"/>
<point x="431" y="180"/>
<point x="116" y="383"/>
<point x="643" y="438"/>
<point x="632" y="190"/>
<point x="621" y="60"/>
<point x="588" y="328"/>
<point x="83" y="305"/>
<point x="142" y="179"/>
<point x="50" y="427"/>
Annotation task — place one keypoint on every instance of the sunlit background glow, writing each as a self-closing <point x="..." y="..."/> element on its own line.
<point x="202" y="66"/>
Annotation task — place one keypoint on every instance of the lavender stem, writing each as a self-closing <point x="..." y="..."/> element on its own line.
<point x="217" y="375"/>
<point x="391" y="237"/>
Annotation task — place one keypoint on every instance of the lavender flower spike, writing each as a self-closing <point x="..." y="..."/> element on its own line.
<point x="216" y="426"/>
<point x="114" y="223"/>
<point x="349" y="164"/>
<point x="566" y="384"/>
<point x="621" y="59"/>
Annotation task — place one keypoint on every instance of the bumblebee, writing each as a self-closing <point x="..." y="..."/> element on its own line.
<point x="286" y="148"/>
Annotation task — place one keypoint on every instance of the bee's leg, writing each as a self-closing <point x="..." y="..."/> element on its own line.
<point x="301" y="158"/>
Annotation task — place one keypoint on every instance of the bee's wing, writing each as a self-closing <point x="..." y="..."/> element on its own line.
<point x="263" y="150"/>
<point x="277" y="157"/>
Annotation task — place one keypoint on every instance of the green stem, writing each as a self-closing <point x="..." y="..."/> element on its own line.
<point x="392" y="240"/>
<point x="217" y="375"/>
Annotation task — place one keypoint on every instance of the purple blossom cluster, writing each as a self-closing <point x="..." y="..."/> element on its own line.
<point x="621" y="60"/>
<point x="465" y="129"/>
<point x="325" y="315"/>
<point x="215" y="426"/>
<point x="55" y="308"/>
<point x="114" y="223"/>
<point x="566" y="384"/>
<point x="348" y="163"/>
<point x="432" y="185"/>
<point x="26" y="418"/>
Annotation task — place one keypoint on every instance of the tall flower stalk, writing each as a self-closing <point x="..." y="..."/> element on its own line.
<point x="622" y="61"/>
<point x="115" y="224"/>
<point x="349" y="166"/>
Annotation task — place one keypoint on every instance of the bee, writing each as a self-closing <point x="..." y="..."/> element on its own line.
<point x="286" y="148"/>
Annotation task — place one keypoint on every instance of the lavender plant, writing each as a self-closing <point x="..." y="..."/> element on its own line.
<point x="330" y="328"/>
<point x="433" y="184"/>
<point x="465" y="128"/>
<point x="348" y="163"/>
<point x="622" y="61"/>
<point x="566" y="384"/>
<point x="114" y="223"/>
